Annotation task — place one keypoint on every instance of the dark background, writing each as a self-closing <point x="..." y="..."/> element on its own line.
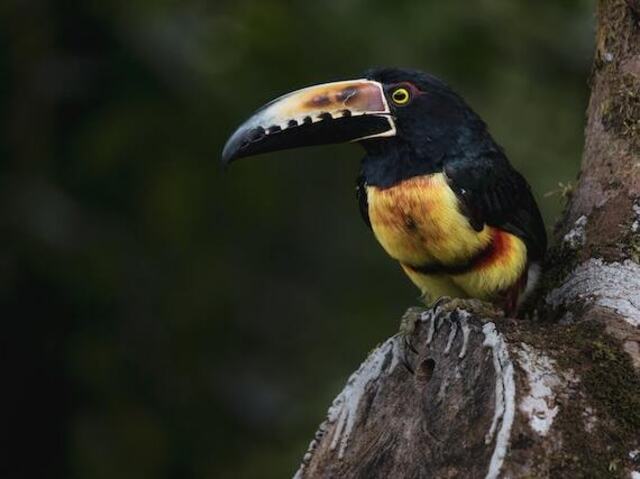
<point x="162" y="319"/>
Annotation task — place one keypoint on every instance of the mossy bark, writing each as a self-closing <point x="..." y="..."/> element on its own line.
<point x="556" y="394"/>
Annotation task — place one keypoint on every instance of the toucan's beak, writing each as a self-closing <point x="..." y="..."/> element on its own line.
<point x="330" y="113"/>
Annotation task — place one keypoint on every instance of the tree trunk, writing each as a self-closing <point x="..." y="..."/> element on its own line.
<point x="554" y="395"/>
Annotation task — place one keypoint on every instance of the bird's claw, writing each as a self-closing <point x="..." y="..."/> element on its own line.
<point x="407" y="327"/>
<point x="442" y="300"/>
<point x="409" y="344"/>
<point x="408" y="347"/>
<point x="405" y="362"/>
<point x="444" y="305"/>
<point x="480" y="308"/>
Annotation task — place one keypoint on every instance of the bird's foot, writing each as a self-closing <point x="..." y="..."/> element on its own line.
<point x="443" y="307"/>
<point x="483" y="309"/>
<point x="407" y="328"/>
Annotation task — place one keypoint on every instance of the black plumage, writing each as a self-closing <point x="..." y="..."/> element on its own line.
<point x="446" y="135"/>
<point x="494" y="193"/>
<point x="435" y="188"/>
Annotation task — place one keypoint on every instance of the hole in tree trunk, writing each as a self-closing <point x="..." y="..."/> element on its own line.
<point x="424" y="372"/>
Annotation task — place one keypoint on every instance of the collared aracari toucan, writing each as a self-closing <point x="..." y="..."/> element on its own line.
<point x="435" y="188"/>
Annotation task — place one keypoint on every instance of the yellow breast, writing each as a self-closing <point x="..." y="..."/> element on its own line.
<point x="418" y="221"/>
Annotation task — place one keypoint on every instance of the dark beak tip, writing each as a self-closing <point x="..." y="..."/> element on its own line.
<point x="231" y="151"/>
<point x="226" y="158"/>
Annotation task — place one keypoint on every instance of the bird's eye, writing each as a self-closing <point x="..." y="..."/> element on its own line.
<point x="401" y="96"/>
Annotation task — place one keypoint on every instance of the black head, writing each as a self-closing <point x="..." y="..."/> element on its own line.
<point x="408" y="122"/>
<point x="433" y="123"/>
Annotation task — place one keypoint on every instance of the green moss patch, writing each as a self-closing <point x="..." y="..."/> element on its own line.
<point x="608" y="384"/>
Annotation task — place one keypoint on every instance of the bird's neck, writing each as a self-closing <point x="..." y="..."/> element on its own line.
<point x="388" y="162"/>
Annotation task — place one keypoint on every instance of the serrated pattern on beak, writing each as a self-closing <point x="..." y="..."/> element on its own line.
<point x="312" y="106"/>
<point x="321" y="102"/>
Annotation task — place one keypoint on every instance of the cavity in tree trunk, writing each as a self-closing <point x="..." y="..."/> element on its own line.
<point x="556" y="394"/>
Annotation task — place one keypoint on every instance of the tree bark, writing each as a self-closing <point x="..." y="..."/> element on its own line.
<point x="556" y="394"/>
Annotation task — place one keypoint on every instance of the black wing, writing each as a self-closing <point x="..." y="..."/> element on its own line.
<point x="361" y="195"/>
<point x="492" y="192"/>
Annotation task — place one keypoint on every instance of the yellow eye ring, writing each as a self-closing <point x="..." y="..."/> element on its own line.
<point x="401" y="96"/>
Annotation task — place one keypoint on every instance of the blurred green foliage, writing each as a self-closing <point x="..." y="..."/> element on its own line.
<point x="163" y="319"/>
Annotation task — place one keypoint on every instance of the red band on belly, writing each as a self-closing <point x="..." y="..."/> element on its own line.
<point x="497" y="250"/>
